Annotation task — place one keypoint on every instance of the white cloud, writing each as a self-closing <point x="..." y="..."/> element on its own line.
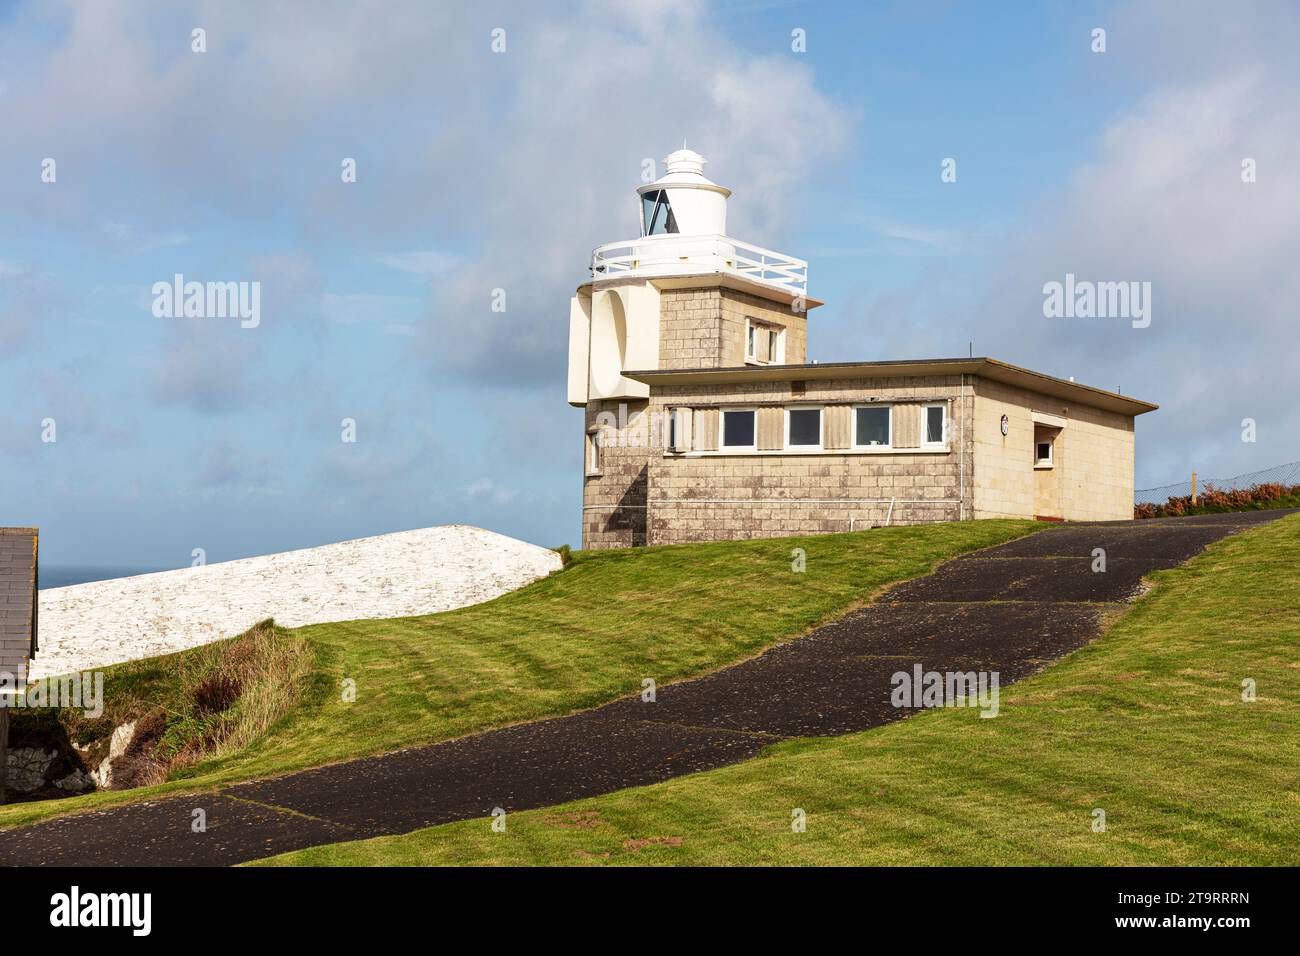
<point x="363" y="307"/>
<point x="1160" y="200"/>
<point x="488" y="489"/>
<point x="421" y="262"/>
<point x="131" y="238"/>
<point x="508" y="189"/>
<point x="204" y="365"/>
<point x="563" y="180"/>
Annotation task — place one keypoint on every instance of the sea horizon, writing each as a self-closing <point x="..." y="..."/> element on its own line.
<point x="64" y="575"/>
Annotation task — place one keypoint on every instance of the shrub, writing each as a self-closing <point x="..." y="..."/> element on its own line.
<point x="216" y="693"/>
<point x="1213" y="501"/>
<point x="201" y="703"/>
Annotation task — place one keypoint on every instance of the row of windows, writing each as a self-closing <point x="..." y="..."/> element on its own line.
<point x="873" y="427"/>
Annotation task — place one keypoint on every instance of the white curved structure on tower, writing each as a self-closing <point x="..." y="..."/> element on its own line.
<point x="614" y="322"/>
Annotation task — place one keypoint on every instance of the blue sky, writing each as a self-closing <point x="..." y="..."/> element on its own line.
<point x="479" y="170"/>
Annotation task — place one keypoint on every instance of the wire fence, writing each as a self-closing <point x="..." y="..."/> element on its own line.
<point x="1278" y="474"/>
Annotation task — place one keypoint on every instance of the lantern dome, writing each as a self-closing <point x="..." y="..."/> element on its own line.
<point x="683" y="201"/>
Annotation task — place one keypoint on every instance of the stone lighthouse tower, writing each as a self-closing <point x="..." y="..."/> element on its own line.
<point x="682" y="295"/>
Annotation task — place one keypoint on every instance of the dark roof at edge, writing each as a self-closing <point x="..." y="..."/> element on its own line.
<point x="18" y="572"/>
<point x="987" y="367"/>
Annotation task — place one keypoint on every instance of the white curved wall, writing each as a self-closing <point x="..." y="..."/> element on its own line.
<point x="608" y="342"/>
<point x="699" y="212"/>
<point x="579" y="346"/>
<point x="624" y="335"/>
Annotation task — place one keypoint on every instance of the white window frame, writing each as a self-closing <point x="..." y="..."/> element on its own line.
<point x="890" y="410"/>
<point x="754" y="327"/>
<point x="722" y="430"/>
<point x="925" y="425"/>
<point x="593" y="452"/>
<point x="1050" y="460"/>
<point x="821" y="427"/>
<point x="672" y="428"/>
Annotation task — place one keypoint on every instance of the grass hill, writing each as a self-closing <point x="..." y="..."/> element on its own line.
<point x="1148" y="725"/>
<point x="277" y="700"/>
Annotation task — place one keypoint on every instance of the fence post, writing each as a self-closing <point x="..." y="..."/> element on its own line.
<point x="1193" y="489"/>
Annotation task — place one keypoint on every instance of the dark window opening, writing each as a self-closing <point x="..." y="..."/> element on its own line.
<point x="738" y="429"/>
<point x="934" y="425"/>
<point x="805" y="427"/>
<point x="873" y="426"/>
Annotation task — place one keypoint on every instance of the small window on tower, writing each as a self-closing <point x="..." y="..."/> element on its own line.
<point x="648" y="201"/>
<point x="657" y="213"/>
<point x="764" y="344"/>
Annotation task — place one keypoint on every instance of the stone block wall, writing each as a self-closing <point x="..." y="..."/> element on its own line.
<point x="739" y="306"/>
<point x="1092" y="475"/>
<point x="614" y="497"/>
<point x="690" y="328"/>
<point x="705" y="328"/>
<point x="722" y="496"/>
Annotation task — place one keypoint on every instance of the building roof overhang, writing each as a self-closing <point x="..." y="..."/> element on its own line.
<point x="705" y="280"/>
<point x="985" y="367"/>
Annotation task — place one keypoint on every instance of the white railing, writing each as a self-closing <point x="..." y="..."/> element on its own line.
<point x="687" y="255"/>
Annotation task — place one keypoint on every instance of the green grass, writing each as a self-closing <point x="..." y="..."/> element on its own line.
<point x="1147" y="723"/>
<point x="582" y="637"/>
<point x="213" y="700"/>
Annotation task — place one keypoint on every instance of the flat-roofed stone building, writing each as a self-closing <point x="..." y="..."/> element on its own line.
<point x="705" y="421"/>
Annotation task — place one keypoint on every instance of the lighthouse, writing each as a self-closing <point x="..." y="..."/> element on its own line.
<point x="683" y="294"/>
<point x="704" y="420"/>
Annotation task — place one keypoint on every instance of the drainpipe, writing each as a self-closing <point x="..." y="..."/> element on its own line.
<point x="4" y="749"/>
<point x="961" y="456"/>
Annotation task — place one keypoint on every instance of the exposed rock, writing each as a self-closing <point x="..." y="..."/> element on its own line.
<point x="138" y="765"/>
<point x="76" y="782"/>
<point x="103" y="776"/>
<point x="27" y="766"/>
